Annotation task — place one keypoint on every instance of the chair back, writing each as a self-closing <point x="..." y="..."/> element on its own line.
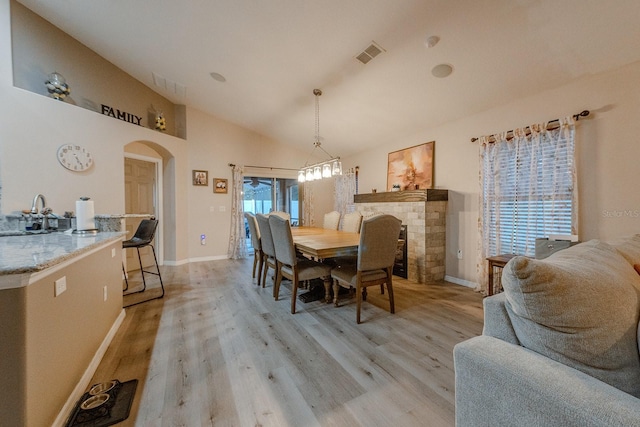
<point x="265" y="235"/>
<point x="253" y="230"/>
<point x="281" y="214"/>
<point x="146" y="231"/>
<point x="331" y="220"/>
<point x="283" y="240"/>
<point x="378" y="242"/>
<point x="351" y="222"/>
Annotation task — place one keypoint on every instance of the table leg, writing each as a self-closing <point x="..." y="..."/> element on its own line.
<point x="327" y="289"/>
<point x="490" y="284"/>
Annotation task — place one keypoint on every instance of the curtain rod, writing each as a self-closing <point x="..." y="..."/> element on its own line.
<point x="231" y="165"/>
<point x="583" y="113"/>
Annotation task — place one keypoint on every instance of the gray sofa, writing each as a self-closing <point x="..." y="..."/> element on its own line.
<point x="559" y="345"/>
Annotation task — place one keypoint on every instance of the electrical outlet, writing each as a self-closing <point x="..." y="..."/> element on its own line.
<point x="203" y="239"/>
<point x="60" y="286"/>
<point x="104" y="293"/>
<point x="459" y="253"/>
<point x="113" y="252"/>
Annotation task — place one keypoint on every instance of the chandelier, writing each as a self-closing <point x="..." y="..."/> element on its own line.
<point x="327" y="168"/>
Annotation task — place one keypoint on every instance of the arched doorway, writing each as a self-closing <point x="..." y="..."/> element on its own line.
<point x="146" y="178"/>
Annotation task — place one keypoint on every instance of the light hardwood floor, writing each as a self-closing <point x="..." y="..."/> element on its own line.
<point x="218" y="350"/>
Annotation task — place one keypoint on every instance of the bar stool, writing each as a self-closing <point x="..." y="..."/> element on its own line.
<point x="143" y="237"/>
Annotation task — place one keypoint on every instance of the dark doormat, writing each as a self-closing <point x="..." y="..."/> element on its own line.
<point x="113" y="411"/>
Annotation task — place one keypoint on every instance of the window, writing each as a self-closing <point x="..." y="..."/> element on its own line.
<point x="528" y="190"/>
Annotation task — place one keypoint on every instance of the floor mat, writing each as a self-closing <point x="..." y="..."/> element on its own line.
<point x="113" y="411"/>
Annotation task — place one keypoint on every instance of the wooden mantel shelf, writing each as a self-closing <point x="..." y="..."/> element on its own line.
<point x="427" y="195"/>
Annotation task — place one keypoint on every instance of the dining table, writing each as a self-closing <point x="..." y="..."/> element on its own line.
<point x="321" y="243"/>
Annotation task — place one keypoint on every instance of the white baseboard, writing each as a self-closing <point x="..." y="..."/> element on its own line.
<point x="176" y="263"/>
<point x="82" y="385"/>
<point x="462" y="282"/>
<point x="209" y="258"/>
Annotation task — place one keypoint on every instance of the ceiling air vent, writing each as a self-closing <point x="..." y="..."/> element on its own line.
<point x="369" y="53"/>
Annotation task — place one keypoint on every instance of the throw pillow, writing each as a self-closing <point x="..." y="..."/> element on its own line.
<point x="579" y="307"/>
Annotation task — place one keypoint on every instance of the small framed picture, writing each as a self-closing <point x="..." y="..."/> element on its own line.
<point x="220" y="185"/>
<point x="200" y="178"/>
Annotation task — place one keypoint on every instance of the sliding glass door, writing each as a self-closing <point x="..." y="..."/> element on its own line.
<point x="264" y="195"/>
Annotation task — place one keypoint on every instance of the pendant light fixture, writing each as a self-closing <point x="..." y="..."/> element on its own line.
<point x="327" y="168"/>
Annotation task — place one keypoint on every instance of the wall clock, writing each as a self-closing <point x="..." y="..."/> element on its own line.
<point x="74" y="157"/>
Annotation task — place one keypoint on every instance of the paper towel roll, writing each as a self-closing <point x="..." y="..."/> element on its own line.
<point x="85" y="215"/>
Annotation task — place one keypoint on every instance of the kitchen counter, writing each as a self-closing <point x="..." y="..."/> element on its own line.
<point x="60" y="306"/>
<point x="28" y="254"/>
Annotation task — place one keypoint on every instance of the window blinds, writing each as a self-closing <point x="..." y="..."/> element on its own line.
<point x="528" y="190"/>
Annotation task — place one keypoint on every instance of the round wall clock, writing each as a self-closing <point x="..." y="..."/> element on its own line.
<point x="74" y="157"/>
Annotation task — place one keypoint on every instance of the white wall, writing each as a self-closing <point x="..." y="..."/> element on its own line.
<point x="607" y="155"/>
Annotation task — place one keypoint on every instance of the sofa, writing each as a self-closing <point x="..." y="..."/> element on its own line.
<point x="560" y="345"/>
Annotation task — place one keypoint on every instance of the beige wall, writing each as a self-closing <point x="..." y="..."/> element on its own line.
<point x="34" y="126"/>
<point x="213" y="144"/>
<point x="607" y="154"/>
<point x="39" y="49"/>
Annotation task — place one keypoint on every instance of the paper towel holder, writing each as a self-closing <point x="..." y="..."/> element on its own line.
<point x="88" y="231"/>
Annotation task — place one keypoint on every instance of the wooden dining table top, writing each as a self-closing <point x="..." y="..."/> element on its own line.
<point x="321" y="243"/>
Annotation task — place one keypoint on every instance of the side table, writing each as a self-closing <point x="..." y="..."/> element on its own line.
<point x="498" y="261"/>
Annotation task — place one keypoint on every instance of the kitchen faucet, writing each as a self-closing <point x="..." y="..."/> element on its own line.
<point x="45" y="210"/>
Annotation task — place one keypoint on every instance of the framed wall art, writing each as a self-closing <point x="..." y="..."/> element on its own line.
<point x="411" y="168"/>
<point x="200" y="177"/>
<point x="220" y="185"/>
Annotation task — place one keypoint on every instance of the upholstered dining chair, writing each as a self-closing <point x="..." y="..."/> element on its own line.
<point x="281" y="214"/>
<point x="258" y="257"/>
<point x="351" y="222"/>
<point x="268" y="250"/>
<point x="376" y="256"/>
<point x="331" y="220"/>
<point x="290" y="266"/>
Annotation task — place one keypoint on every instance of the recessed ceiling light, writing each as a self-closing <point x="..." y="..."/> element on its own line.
<point x="442" y="70"/>
<point x="431" y="41"/>
<point x="219" y="77"/>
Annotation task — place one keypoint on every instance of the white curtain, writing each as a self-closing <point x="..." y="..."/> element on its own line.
<point x="345" y="189"/>
<point x="237" y="236"/>
<point x="528" y="189"/>
<point x="307" y="205"/>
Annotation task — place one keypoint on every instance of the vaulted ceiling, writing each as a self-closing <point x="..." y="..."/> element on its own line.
<point x="273" y="53"/>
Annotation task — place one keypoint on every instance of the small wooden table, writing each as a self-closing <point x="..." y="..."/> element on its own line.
<point x="498" y="261"/>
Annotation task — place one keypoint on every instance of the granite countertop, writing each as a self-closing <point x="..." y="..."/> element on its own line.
<point x="30" y="253"/>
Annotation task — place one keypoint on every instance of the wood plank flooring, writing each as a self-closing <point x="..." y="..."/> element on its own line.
<point x="219" y="351"/>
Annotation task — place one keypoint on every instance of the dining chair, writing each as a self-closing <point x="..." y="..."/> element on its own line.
<point x="258" y="258"/>
<point x="291" y="266"/>
<point x="281" y="214"/>
<point x="351" y="222"/>
<point x="268" y="250"/>
<point x="142" y="238"/>
<point x="374" y="266"/>
<point x="331" y="220"/>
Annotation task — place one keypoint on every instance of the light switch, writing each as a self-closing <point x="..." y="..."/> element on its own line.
<point x="222" y="208"/>
<point x="113" y="252"/>
<point x="60" y="286"/>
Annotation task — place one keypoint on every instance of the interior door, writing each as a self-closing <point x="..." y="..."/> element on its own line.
<point x="139" y="189"/>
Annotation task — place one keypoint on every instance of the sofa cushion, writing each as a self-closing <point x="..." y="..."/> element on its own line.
<point x="579" y="307"/>
<point x="628" y="247"/>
